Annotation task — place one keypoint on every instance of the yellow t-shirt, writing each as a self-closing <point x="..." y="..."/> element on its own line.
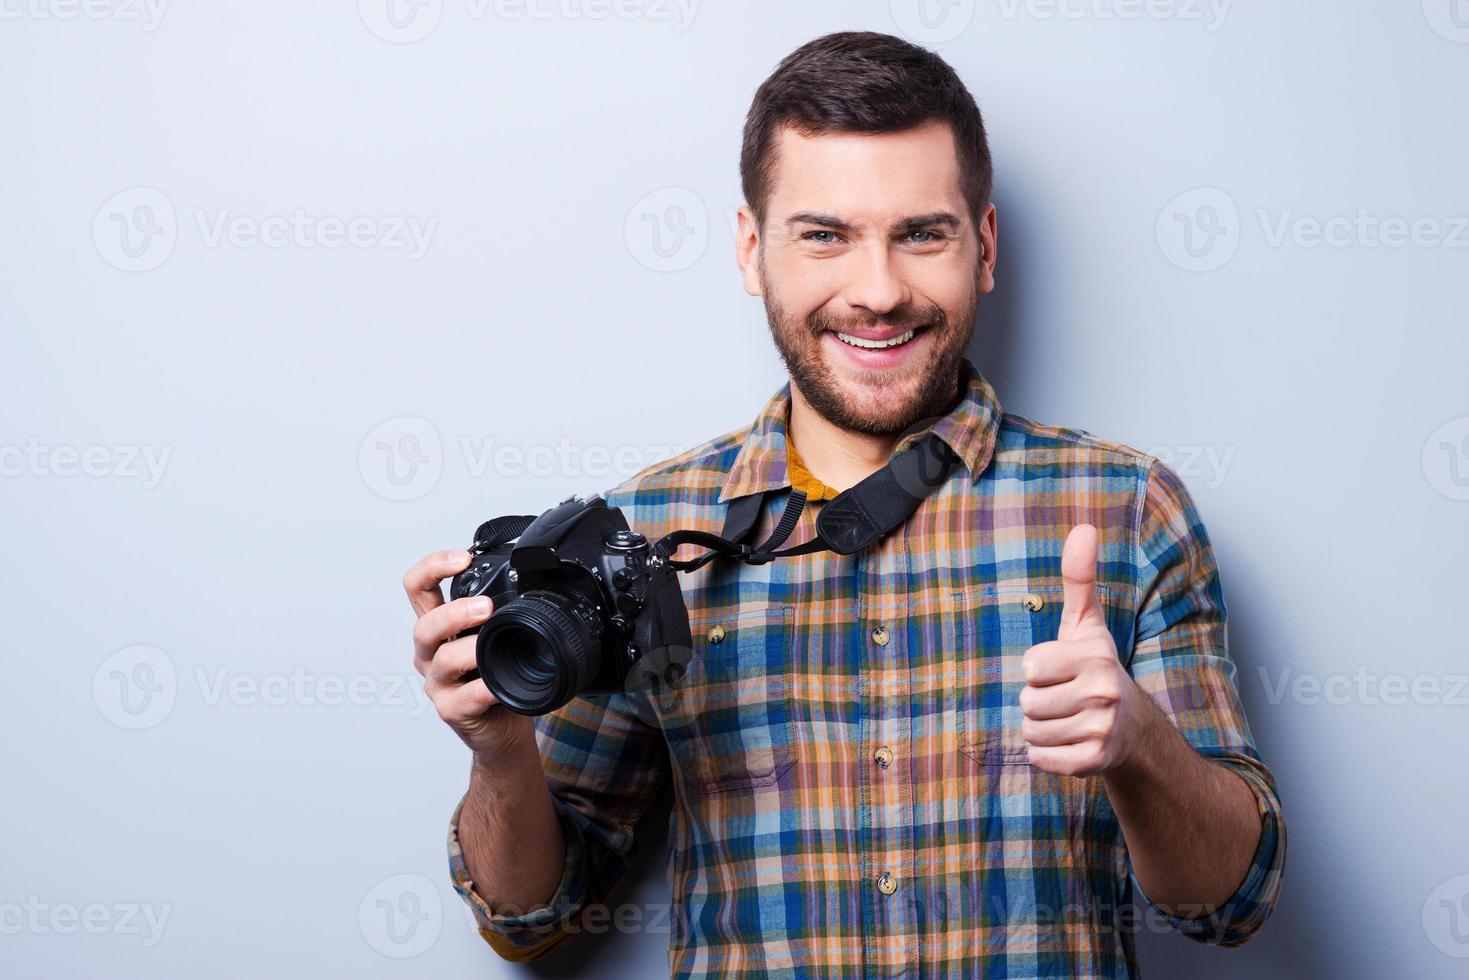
<point x="802" y="478"/>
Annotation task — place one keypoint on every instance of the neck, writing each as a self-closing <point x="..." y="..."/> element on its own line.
<point x="838" y="457"/>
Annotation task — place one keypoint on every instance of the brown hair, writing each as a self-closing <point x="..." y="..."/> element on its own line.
<point x="862" y="82"/>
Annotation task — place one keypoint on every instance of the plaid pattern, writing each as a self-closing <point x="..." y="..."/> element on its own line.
<point x="783" y="821"/>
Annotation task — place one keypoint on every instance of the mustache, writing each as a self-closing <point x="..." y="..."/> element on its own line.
<point x="903" y="318"/>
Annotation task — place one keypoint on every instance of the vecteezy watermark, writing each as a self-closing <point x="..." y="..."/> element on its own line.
<point x="137" y="688"/>
<point x="41" y="918"/>
<point x="403" y="458"/>
<point x="401" y="916"/>
<point x="407" y="21"/>
<point x="667" y="230"/>
<point x="34" y="458"/>
<point x="1365" y="687"/>
<point x="1208" y="465"/>
<point x="931" y="21"/>
<point x="1448" y="18"/>
<point x="148" y="14"/>
<point x="1446" y="458"/>
<point x="1210" y="13"/>
<point x="1363" y="230"/>
<point x="1199" y="230"/>
<point x="401" y="21"/>
<point x="408" y="233"/>
<point x="562" y="458"/>
<point x="137" y="230"/>
<point x="302" y="688"/>
<point x="1446" y="917"/>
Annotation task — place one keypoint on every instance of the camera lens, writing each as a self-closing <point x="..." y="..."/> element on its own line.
<point x="537" y="652"/>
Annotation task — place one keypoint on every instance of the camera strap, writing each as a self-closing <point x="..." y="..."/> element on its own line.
<point x="853" y="520"/>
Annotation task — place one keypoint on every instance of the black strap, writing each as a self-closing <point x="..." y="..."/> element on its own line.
<point x="741" y="517"/>
<point x="874" y="508"/>
<point x="852" y="521"/>
<point x="500" y="530"/>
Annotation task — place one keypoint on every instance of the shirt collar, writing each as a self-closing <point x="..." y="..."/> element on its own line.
<point x="969" y="430"/>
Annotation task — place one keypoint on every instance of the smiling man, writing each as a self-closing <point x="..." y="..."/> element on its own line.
<point x="963" y="750"/>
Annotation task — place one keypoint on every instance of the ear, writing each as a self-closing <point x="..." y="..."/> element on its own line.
<point x="747" y="249"/>
<point x="989" y="246"/>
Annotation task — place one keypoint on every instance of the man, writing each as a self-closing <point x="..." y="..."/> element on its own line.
<point x="954" y="753"/>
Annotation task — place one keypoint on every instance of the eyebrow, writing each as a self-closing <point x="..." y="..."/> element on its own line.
<point x="906" y="224"/>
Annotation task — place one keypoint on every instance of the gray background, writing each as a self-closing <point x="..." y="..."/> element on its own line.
<point x="209" y="711"/>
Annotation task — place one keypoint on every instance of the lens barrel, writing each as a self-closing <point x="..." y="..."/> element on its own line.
<point x="539" y="651"/>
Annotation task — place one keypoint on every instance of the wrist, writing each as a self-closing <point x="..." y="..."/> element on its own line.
<point x="1147" y="738"/>
<point x="511" y="765"/>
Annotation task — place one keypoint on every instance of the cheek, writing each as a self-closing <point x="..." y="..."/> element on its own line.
<point x="947" y="281"/>
<point x="798" y="289"/>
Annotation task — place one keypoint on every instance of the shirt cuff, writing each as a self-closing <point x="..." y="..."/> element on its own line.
<point x="1242" y="914"/>
<point x="530" y="934"/>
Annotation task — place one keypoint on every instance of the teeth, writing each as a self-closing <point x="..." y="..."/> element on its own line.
<point x="847" y="338"/>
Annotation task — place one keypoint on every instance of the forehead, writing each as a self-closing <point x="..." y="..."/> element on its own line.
<point x="859" y="176"/>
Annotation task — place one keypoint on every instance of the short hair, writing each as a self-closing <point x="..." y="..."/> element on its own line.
<point x="862" y="82"/>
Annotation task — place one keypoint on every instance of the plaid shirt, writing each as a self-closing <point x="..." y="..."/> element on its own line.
<point x="852" y="795"/>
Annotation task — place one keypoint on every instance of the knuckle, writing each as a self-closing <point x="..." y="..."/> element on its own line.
<point x="424" y="633"/>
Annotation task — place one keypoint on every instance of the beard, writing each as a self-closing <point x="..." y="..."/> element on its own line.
<point x="921" y="389"/>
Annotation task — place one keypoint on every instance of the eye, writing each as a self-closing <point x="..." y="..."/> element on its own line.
<point x="924" y="236"/>
<point x="814" y="236"/>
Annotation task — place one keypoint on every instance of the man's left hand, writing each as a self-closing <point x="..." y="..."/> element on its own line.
<point x="1083" y="713"/>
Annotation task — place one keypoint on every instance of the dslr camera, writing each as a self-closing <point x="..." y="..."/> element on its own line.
<point x="582" y="606"/>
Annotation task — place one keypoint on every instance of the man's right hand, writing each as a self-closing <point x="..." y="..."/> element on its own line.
<point x="492" y="731"/>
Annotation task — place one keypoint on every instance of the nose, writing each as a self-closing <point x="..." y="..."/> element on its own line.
<point x="875" y="284"/>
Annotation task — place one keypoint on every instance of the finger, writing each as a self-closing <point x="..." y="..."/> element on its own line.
<point x="422" y="581"/>
<point x="444" y="622"/>
<point x="1080" y="609"/>
<point x="1054" y="701"/>
<point x="1052" y="662"/>
<point x="451" y="662"/>
<point x="465" y="703"/>
<point x="1089" y="725"/>
<point x="1080" y="759"/>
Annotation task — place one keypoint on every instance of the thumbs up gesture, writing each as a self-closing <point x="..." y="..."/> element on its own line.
<point x="1082" y="712"/>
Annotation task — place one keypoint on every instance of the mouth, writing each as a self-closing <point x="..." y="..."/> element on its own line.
<point x="878" y="348"/>
<point x="870" y="343"/>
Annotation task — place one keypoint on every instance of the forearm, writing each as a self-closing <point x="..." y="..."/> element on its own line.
<point x="1191" y="825"/>
<point x="511" y="834"/>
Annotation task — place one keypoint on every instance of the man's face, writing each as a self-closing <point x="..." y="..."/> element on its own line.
<point x="871" y="269"/>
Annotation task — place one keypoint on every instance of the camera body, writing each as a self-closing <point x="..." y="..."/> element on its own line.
<point x="582" y="606"/>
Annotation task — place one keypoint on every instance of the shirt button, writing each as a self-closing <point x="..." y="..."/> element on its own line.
<point x="1034" y="603"/>
<point x="716" y="634"/>
<point x="884" y="756"/>
<point x="880" y="636"/>
<point x="886" y="883"/>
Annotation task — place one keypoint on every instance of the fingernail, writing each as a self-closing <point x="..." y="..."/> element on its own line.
<point x="459" y="557"/>
<point x="479" y="605"/>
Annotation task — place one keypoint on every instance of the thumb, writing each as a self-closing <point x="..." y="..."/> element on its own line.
<point x="1080" y="609"/>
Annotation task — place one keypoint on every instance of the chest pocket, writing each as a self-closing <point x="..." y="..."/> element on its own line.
<point x="728" y="719"/>
<point x="996" y="628"/>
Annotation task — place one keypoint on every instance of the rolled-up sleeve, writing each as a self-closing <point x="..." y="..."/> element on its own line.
<point x="605" y="767"/>
<point x="1180" y="658"/>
